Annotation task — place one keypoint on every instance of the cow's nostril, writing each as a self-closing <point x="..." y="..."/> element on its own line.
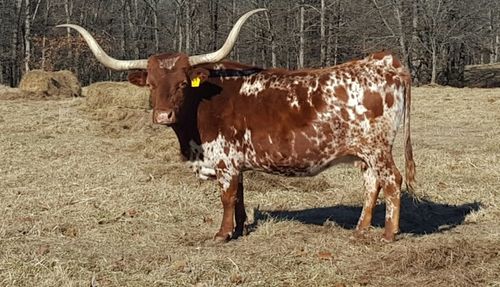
<point x="164" y="117"/>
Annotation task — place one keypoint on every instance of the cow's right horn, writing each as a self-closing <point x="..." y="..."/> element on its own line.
<point x="112" y="63"/>
<point x="228" y="45"/>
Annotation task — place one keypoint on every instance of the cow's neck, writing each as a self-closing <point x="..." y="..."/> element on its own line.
<point x="186" y="128"/>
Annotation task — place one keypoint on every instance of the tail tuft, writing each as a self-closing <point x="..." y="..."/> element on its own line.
<point x="409" y="162"/>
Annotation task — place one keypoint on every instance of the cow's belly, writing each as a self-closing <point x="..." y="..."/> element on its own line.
<point x="296" y="167"/>
<point x="206" y="170"/>
<point x="298" y="152"/>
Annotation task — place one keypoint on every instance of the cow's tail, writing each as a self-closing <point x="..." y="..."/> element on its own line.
<point x="409" y="162"/>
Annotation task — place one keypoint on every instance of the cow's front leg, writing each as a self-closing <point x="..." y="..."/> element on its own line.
<point x="229" y="196"/>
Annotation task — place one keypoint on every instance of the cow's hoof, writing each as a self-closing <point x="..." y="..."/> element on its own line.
<point x="360" y="233"/>
<point x="363" y="232"/>
<point x="391" y="237"/>
<point x="222" y="237"/>
<point x="240" y="231"/>
<point x="364" y="236"/>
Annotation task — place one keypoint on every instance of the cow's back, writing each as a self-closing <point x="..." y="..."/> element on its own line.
<point x="300" y="122"/>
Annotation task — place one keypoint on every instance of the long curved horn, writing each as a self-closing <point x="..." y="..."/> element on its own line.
<point x="228" y="45"/>
<point x="105" y="59"/>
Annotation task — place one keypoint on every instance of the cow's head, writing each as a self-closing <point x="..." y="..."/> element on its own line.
<point x="167" y="75"/>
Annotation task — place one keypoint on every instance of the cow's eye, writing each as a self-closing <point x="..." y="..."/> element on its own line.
<point x="182" y="85"/>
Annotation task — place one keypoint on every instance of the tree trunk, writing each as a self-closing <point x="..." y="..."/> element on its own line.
<point x="287" y="30"/>
<point x="235" y="53"/>
<point x="67" y="9"/>
<point x="255" y="47"/>
<point x="434" y="62"/>
<point x="27" y="35"/>
<point x="300" y="63"/>
<point x="272" y="40"/>
<point x="132" y="23"/>
<point x="398" y="12"/>
<point x="180" y="34"/>
<point x="153" y="5"/>
<point x="156" y="28"/>
<point x="497" y="48"/>
<point x="414" y="40"/>
<point x="188" y="27"/>
<point x="329" y="44"/>
<point x="493" y="38"/>
<point x="44" y="37"/>
<point x="322" y="34"/>
<point x="14" y="46"/>
<point x="214" y="22"/>
<point x="263" y="58"/>
<point x="123" y="26"/>
<point x="336" y="42"/>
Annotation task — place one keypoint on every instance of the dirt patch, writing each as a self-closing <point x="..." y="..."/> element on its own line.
<point x="43" y="84"/>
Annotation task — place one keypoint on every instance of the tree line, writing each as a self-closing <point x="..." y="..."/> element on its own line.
<point x="434" y="38"/>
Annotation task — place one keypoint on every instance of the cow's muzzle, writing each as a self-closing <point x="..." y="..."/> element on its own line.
<point x="164" y="117"/>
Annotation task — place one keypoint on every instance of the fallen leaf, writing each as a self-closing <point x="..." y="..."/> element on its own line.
<point x="325" y="255"/>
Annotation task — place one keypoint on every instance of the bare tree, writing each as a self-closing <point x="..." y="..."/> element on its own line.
<point x="302" y="41"/>
<point x="322" y="33"/>
<point x="14" y="44"/>
<point x="435" y="38"/>
<point x="27" y="34"/>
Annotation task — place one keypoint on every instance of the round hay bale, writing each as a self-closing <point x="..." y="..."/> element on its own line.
<point x="60" y="84"/>
<point x="482" y="76"/>
<point x="120" y="106"/>
<point x="106" y="95"/>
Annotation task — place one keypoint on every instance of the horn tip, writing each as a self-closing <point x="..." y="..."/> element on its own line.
<point x="259" y="10"/>
<point x="66" y="26"/>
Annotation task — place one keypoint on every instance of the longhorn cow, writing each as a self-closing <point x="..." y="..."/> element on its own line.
<point x="230" y="118"/>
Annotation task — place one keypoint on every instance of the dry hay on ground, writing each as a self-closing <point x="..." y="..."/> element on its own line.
<point x="40" y="84"/>
<point x="80" y="202"/>
<point x="8" y="93"/>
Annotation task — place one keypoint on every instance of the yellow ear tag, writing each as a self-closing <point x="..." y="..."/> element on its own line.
<point x="195" y="82"/>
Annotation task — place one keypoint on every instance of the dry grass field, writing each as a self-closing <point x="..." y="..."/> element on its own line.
<point x="96" y="197"/>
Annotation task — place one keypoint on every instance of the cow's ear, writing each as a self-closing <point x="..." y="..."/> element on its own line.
<point x="197" y="76"/>
<point x="138" y="78"/>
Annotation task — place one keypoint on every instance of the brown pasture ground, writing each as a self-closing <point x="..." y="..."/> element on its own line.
<point x="96" y="198"/>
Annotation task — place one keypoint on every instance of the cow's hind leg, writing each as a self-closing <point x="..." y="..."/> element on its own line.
<point x="381" y="172"/>
<point x="391" y="182"/>
<point x="372" y="189"/>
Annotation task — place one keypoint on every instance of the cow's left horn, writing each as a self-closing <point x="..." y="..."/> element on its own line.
<point x="228" y="45"/>
<point x="112" y="63"/>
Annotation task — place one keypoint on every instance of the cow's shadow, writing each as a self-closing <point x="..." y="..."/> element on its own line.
<point x="418" y="216"/>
